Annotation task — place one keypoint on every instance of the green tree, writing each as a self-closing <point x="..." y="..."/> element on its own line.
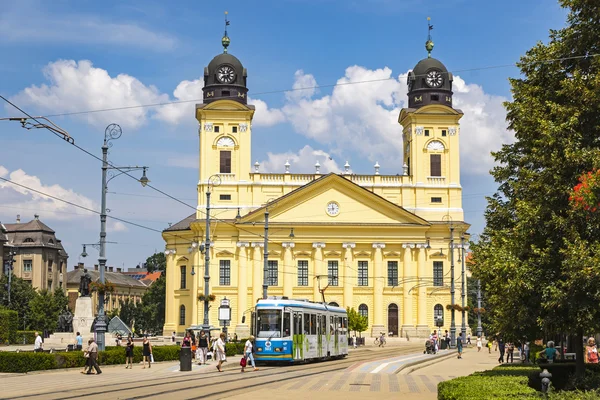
<point x="356" y="322"/>
<point x="149" y="314"/>
<point x="536" y="258"/>
<point x="43" y="314"/>
<point x="60" y="299"/>
<point x="127" y="312"/>
<point x="21" y="293"/>
<point x="156" y="262"/>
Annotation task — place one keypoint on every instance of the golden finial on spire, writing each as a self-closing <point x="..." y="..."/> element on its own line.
<point x="429" y="42"/>
<point x="225" y="40"/>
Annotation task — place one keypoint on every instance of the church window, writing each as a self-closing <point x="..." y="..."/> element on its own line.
<point x="182" y="315"/>
<point x="363" y="311"/>
<point x="438" y="313"/>
<point x="224" y="197"/>
<point x="27" y="265"/>
<point x="28" y="240"/>
<point x="363" y="273"/>
<point x="225" y="142"/>
<point x="50" y="266"/>
<point x="303" y="273"/>
<point x="443" y="132"/>
<point x="426" y="132"/>
<point x="216" y="129"/>
<point x="225" y="162"/>
<point x="234" y="129"/>
<point x="392" y="273"/>
<point x="436" y="199"/>
<point x="182" y="269"/>
<point x="438" y="273"/>
<point x="225" y="272"/>
<point x="435" y="165"/>
<point x="272" y="273"/>
<point x="332" y="272"/>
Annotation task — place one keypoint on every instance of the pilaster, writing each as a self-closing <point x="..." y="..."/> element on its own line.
<point x="423" y="282"/>
<point x="318" y="268"/>
<point x="242" y="329"/>
<point x="348" y="276"/>
<point x="408" y="328"/>
<point x="288" y="276"/>
<point x="378" y="325"/>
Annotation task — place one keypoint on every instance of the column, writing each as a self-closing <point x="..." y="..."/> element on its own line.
<point x="408" y="281"/>
<point x="241" y="328"/>
<point x="287" y="270"/>
<point x="170" y="303"/>
<point x="348" y="276"/>
<point x="378" y="308"/>
<point x="318" y="268"/>
<point x="257" y="271"/>
<point x="423" y="282"/>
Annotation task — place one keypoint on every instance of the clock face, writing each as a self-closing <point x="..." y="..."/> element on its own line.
<point x="333" y="208"/>
<point x="434" y="79"/>
<point x="225" y="74"/>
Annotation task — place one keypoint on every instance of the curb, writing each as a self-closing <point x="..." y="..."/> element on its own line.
<point x="415" y="365"/>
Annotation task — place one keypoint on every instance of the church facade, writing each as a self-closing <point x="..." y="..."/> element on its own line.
<point x="382" y="244"/>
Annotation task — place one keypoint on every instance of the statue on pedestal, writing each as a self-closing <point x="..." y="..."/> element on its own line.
<point x="65" y="321"/>
<point x="84" y="284"/>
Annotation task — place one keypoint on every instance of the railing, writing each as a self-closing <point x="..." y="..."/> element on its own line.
<point x="436" y="180"/>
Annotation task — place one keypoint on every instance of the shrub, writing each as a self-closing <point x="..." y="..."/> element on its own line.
<point x="25" y="337"/>
<point x="9" y="321"/>
<point x="25" y="362"/>
<point x="165" y="353"/>
<point x="70" y="359"/>
<point x="495" y="387"/>
<point x="231" y="349"/>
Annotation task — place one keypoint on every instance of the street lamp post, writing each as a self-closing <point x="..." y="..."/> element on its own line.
<point x="452" y="311"/>
<point x="479" y="328"/>
<point x="463" y="326"/>
<point x="266" y="255"/>
<point x="112" y="132"/>
<point x="214" y="180"/>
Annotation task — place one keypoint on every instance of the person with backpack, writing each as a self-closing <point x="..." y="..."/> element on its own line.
<point x="249" y="350"/>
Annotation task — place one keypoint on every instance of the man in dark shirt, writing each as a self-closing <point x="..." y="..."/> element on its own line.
<point x="501" y="347"/>
<point x="459" y="345"/>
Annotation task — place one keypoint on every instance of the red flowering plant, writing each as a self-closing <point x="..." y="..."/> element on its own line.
<point x="585" y="196"/>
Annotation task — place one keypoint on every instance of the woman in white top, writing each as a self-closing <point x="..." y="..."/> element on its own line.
<point x="221" y="351"/>
<point x="248" y="352"/>
<point x="479" y="344"/>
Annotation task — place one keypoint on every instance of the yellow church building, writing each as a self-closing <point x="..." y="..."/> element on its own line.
<point x="378" y="243"/>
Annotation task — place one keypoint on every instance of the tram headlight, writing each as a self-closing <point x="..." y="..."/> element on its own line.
<point x="259" y="349"/>
<point x="278" y="349"/>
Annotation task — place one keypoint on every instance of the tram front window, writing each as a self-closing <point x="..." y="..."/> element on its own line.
<point x="269" y="324"/>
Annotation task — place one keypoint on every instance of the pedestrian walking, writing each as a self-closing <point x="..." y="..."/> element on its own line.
<point x="526" y="352"/>
<point x="220" y="353"/>
<point x="510" y="349"/>
<point x="447" y="339"/>
<point x="146" y="352"/>
<point x="479" y="344"/>
<point x="86" y="355"/>
<point x="591" y="352"/>
<point x="173" y="337"/>
<point x="489" y="346"/>
<point x="38" y="345"/>
<point x="469" y="338"/>
<point x="248" y="352"/>
<point x="459" y="345"/>
<point x="435" y="339"/>
<point x="202" y="355"/>
<point x="93" y="357"/>
<point x="501" y="347"/>
<point x="354" y="340"/>
<point x="129" y="353"/>
<point x="79" y="341"/>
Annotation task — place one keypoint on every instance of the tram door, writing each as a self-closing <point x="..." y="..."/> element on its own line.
<point x="298" y="343"/>
<point x="336" y="336"/>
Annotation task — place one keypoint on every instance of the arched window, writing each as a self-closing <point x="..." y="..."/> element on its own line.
<point x="334" y="304"/>
<point x="438" y="314"/>
<point x="182" y="315"/>
<point x="50" y="241"/>
<point x="363" y="310"/>
<point x="28" y="240"/>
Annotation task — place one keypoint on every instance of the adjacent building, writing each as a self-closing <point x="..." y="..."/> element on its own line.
<point x="382" y="244"/>
<point x="40" y="257"/>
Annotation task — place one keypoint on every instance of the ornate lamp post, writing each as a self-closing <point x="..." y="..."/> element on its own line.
<point x="452" y="311"/>
<point x="112" y="132"/>
<point x="214" y="180"/>
<point x="224" y="314"/>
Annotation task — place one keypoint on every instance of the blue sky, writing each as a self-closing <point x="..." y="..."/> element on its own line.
<point x="68" y="56"/>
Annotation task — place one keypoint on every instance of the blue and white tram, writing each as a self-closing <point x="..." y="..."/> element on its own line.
<point x="299" y="330"/>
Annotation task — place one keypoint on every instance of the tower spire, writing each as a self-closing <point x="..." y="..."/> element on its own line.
<point x="225" y="40"/>
<point x="429" y="42"/>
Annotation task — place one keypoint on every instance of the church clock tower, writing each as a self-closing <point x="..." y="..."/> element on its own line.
<point x="225" y="123"/>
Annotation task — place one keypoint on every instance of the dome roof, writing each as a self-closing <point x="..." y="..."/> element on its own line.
<point x="225" y="58"/>
<point x="429" y="83"/>
<point x="428" y="63"/>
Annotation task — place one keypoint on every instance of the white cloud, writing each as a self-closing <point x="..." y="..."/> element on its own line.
<point x="116" y="226"/>
<point x="27" y="24"/>
<point x="265" y="116"/>
<point x="302" y="162"/>
<point x="24" y="200"/>
<point x="304" y="87"/>
<point x="176" y="113"/>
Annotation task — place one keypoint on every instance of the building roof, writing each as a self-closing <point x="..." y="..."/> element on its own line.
<point x="74" y="277"/>
<point x="34" y="225"/>
<point x="151" y="277"/>
<point x="33" y="234"/>
<point x="3" y="235"/>
<point x="182" y="225"/>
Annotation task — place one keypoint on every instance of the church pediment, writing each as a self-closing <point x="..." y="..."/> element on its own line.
<point x="225" y="253"/>
<point x="274" y="253"/>
<point x="392" y="254"/>
<point x="333" y="199"/>
<point x="302" y="254"/>
<point x="182" y="259"/>
<point x="333" y="254"/>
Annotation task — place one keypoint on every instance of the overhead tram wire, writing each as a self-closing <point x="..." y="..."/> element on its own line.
<point x="175" y="102"/>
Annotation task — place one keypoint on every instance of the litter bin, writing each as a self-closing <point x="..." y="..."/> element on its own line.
<point x="444" y="345"/>
<point x="185" y="359"/>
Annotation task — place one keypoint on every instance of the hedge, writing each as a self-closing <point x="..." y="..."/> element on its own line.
<point x="29" y="337"/>
<point x="9" y="321"/>
<point x="30" y="361"/>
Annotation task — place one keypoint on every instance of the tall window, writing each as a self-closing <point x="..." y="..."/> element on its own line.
<point x="183" y="277"/>
<point x="392" y="273"/>
<point x="225" y="272"/>
<point x="50" y="262"/>
<point x="438" y="273"/>
<point x="363" y="273"/>
<point x="303" y="273"/>
<point x="272" y="273"/>
<point x="438" y="313"/>
<point x="27" y="265"/>
<point x="435" y="165"/>
<point x="182" y="315"/>
<point x="332" y="272"/>
<point x="225" y="163"/>
<point x="363" y="310"/>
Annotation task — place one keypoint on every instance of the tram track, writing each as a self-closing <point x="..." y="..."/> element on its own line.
<point x="214" y="384"/>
